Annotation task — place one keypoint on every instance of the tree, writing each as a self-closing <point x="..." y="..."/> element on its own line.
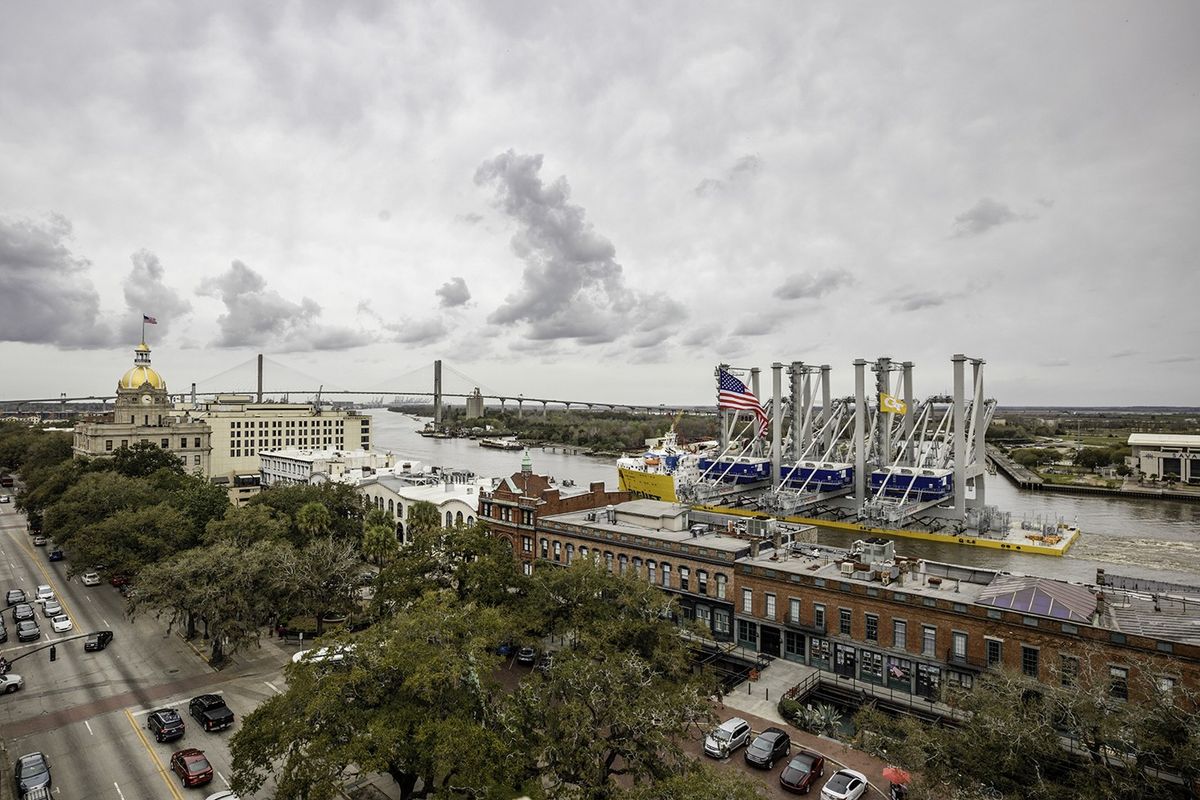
<point x="320" y="578"/>
<point x="246" y="525"/>
<point x="342" y="501"/>
<point x="416" y="700"/>
<point x="423" y="517"/>
<point x="700" y="782"/>
<point x="313" y="519"/>
<point x="128" y="540"/>
<point x="379" y="537"/>
<point x="92" y="497"/>
<point x="143" y="459"/>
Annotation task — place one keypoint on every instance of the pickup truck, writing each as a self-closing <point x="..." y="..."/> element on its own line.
<point x="211" y="712"/>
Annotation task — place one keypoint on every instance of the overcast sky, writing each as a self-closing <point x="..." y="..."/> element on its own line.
<point x="602" y="201"/>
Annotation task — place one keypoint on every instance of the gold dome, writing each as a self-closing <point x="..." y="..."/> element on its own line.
<point x="135" y="377"/>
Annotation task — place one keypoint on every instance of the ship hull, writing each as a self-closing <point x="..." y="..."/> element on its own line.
<point x="653" y="485"/>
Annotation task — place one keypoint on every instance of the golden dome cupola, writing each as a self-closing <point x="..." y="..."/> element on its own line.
<point x="141" y="373"/>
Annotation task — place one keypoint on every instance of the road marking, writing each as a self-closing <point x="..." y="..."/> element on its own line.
<point x="120" y="794"/>
<point x="11" y="564"/>
<point x="106" y="623"/>
<point x="168" y="704"/>
<point x="223" y="778"/>
<point x="161" y="770"/>
<point x="89" y="597"/>
<point x="89" y="727"/>
<point x="273" y="687"/>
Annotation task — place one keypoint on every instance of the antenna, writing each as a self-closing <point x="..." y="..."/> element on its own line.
<point x="318" y="408"/>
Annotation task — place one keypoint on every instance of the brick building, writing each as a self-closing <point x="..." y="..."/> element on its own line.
<point x="512" y="509"/>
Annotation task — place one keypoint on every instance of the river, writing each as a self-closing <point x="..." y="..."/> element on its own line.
<point x="1137" y="537"/>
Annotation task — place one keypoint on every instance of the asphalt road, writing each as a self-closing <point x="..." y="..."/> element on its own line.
<point x="87" y="711"/>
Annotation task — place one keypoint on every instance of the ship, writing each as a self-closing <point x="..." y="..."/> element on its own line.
<point x="654" y="473"/>
<point x="501" y="443"/>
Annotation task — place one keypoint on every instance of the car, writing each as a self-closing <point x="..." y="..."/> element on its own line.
<point x="211" y="712"/>
<point x="526" y="655"/>
<point x="118" y="580"/>
<point x="44" y="592"/>
<point x="39" y="541"/>
<point x="845" y="784"/>
<point x="22" y="611"/>
<point x="62" y="623"/>
<point x="90" y="578"/>
<point x="505" y="649"/>
<point x="28" y="631"/>
<point x="225" y="795"/>
<point x="802" y="772"/>
<point x="56" y="554"/>
<point x="97" y="641"/>
<point x="32" y="771"/>
<point x="727" y="737"/>
<point x="544" y="663"/>
<point x="320" y="655"/>
<point x="5" y="498"/>
<point x="191" y="766"/>
<point x="768" y="747"/>
<point x="165" y="724"/>
<point x="3" y="631"/>
<point x="10" y="683"/>
<point x="51" y="608"/>
<point x="14" y="596"/>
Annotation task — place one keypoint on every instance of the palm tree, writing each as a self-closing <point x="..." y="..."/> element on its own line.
<point x="313" y="519"/>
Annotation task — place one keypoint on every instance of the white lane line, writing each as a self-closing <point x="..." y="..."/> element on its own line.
<point x="274" y="688"/>
<point x="89" y="597"/>
<point x="89" y="727"/>
<point x="222" y="777"/>
<point x="11" y="564"/>
<point x="120" y="794"/>
<point x="106" y="623"/>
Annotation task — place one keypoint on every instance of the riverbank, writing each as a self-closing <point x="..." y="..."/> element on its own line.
<point x="1025" y="478"/>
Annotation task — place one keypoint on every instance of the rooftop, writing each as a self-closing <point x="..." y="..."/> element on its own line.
<point x="632" y="517"/>
<point x="1164" y="440"/>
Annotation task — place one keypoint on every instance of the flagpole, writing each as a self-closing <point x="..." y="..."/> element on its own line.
<point x="143" y="328"/>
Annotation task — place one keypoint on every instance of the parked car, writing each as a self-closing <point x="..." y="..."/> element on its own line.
<point x="61" y="624"/>
<point x="118" y="580"/>
<point x="51" y="608"/>
<point x="10" y="683"/>
<point x="225" y="795"/>
<point x="22" y="611"/>
<point x="28" y="631"/>
<point x="544" y="663"/>
<point x="526" y="655"/>
<point x="44" y="592"/>
<point x="56" y="554"/>
<point x="802" y="772"/>
<point x="211" y="712"/>
<point x="768" y="747"/>
<point x="39" y="541"/>
<point x="727" y="737"/>
<point x="165" y="724"/>
<point x="5" y="498"/>
<point x="14" y="596"/>
<point x="32" y="771"/>
<point x="845" y="784"/>
<point x="191" y="766"/>
<point x="98" y="640"/>
<point x="3" y="631"/>
<point x="90" y="578"/>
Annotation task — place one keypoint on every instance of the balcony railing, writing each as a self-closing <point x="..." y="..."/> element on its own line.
<point x="963" y="660"/>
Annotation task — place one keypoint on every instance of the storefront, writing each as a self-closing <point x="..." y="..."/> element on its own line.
<point x="870" y="668"/>
<point x="768" y="640"/>
<point x="793" y="646"/>
<point x="844" y="660"/>
<point x="929" y="681"/>
<point x="899" y="674"/>
<point x="820" y="653"/>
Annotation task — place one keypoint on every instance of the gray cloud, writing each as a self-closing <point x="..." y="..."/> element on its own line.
<point x="813" y="285"/>
<point x="985" y="215"/>
<point x="418" y="332"/>
<point x="45" y="296"/>
<point x="1123" y="354"/>
<point x="453" y="292"/>
<point x="1054" y="362"/>
<point x="915" y="301"/>
<point x="758" y="325"/>
<point x="1178" y="359"/>
<point x="256" y="316"/>
<point x="470" y="219"/>
<point x="145" y="293"/>
<point x="742" y="171"/>
<point x="572" y="286"/>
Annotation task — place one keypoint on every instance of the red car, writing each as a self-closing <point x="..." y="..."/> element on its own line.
<point x="802" y="772"/>
<point x="191" y="766"/>
<point x="119" y="580"/>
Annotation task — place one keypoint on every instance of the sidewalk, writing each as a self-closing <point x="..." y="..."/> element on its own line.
<point x="749" y="700"/>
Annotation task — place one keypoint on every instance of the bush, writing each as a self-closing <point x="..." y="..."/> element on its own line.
<point x="789" y="709"/>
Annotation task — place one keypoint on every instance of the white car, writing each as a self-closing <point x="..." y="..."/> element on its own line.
<point x="320" y="655"/>
<point x="224" y="795"/>
<point x="44" y="592"/>
<point x="845" y="784"/>
<point x="61" y="623"/>
<point x="10" y="683"/>
<point x="91" y="579"/>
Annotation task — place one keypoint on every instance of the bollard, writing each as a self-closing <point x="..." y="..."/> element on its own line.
<point x="768" y="691"/>
<point x="747" y="687"/>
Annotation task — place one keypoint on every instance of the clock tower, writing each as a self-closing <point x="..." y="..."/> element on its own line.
<point x="142" y="397"/>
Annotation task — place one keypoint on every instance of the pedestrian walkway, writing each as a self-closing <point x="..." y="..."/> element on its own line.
<point x="760" y="697"/>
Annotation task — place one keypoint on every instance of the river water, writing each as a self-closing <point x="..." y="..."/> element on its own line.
<point x="1137" y="537"/>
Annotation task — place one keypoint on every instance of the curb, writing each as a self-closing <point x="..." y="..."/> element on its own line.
<point x="826" y="756"/>
<point x="196" y="650"/>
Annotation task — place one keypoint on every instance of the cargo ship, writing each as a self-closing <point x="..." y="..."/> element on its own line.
<point x="653" y="473"/>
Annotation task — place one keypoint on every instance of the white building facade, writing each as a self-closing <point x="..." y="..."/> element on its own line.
<point x="1162" y="456"/>
<point x="456" y="499"/>
<point x="296" y="466"/>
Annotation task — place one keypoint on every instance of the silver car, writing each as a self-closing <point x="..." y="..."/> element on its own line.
<point x="727" y="737"/>
<point x="10" y="683"/>
<point x="52" y="608"/>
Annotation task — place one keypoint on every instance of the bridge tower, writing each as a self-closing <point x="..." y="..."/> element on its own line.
<point x="437" y="392"/>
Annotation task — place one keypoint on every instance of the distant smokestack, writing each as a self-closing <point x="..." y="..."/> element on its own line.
<point x="193" y="394"/>
<point x="260" y="363"/>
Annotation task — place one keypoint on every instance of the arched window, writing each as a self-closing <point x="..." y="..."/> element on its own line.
<point x="545" y="543"/>
<point x="458" y="518"/>
<point x="400" y="532"/>
<point x="608" y="560"/>
<point x="391" y="508"/>
<point x="570" y="553"/>
<point x="637" y="566"/>
<point x="623" y="562"/>
<point x="470" y="520"/>
<point x="666" y="573"/>
<point x="583" y="551"/>
<point x="651" y="572"/>
<point x="557" y="550"/>
<point x="449" y="520"/>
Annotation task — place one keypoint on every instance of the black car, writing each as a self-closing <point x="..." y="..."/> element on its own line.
<point x="22" y="611"/>
<point x="56" y="554"/>
<point x="32" y="771"/>
<point x="165" y="724"/>
<point x="14" y="596"/>
<point x="3" y="632"/>
<point x="28" y="631"/>
<point x="211" y="712"/>
<point x="98" y="640"/>
<point x="770" y="746"/>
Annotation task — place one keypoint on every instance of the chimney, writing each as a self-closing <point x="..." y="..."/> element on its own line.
<point x="754" y="548"/>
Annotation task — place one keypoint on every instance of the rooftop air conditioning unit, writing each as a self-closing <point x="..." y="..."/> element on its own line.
<point x="847" y="567"/>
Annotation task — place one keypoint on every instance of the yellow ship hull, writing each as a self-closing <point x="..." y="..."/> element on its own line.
<point x="654" y="485"/>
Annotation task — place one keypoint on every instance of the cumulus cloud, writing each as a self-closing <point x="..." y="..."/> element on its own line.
<point x="453" y="292"/>
<point x="742" y="171"/>
<point x="146" y="293"/>
<point x="985" y="215"/>
<point x="418" y="332"/>
<point x="45" y="295"/>
<point x="258" y="316"/>
<point x="572" y="286"/>
<point x="758" y="325"/>
<point x="813" y="285"/>
<point x="915" y="301"/>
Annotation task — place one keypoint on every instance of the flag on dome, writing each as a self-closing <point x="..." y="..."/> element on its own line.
<point x="148" y="319"/>
<point x="732" y="394"/>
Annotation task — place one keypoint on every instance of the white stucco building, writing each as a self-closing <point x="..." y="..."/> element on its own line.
<point x="1161" y="455"/>
<point x="456" y="497"/>
<point x="292" y="466"/>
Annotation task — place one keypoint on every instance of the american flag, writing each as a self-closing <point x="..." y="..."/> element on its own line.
<point x="733" y="394"/>
<point x="149" y="320"/>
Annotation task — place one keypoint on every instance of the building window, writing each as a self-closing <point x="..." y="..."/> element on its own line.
<point x="527" y="568"/>
<point x="872" y="627"/>
<point x="166" y="444"/>
<point x="747" y="601"/>
<point x="183" y="443"/>
<point x="794" y="610"/>
<point x="108" y="444"/>
<point x="701" y="581"/>
<point x="870" y="666"/>
<point x="1029" y="661"/>
<point x="994" y="652"/>
<point x="637" y="567"/>
<point x="844" y="621"/>
<point x="958" y="645"/>
<point x="770" y="612"/>
<point x="818" y="616"/>
<point x="608" y="561"/>
<point x="684" y="574"/>
<point x="747" y="632"/>
<point x="1068" y="670"/>
<point x="197" y="442"/>
<point x="526" y="544"/>
<point x="961" y="680"/>
<point x="557" y="551"/>
<point x="899" y="634"/>
<point x="1118" y="683"/>
<point x="196" y="460"/>
<point x="721" y="621"/>
<point x="721" y="579"/>
<point x="928" y="640"/>
<point x="623" y="564"/>
<point x="666" y="573"/>
<point x="651" y="570"/>
<point x="820" y="653"/>
<point x="570" y="552"/>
